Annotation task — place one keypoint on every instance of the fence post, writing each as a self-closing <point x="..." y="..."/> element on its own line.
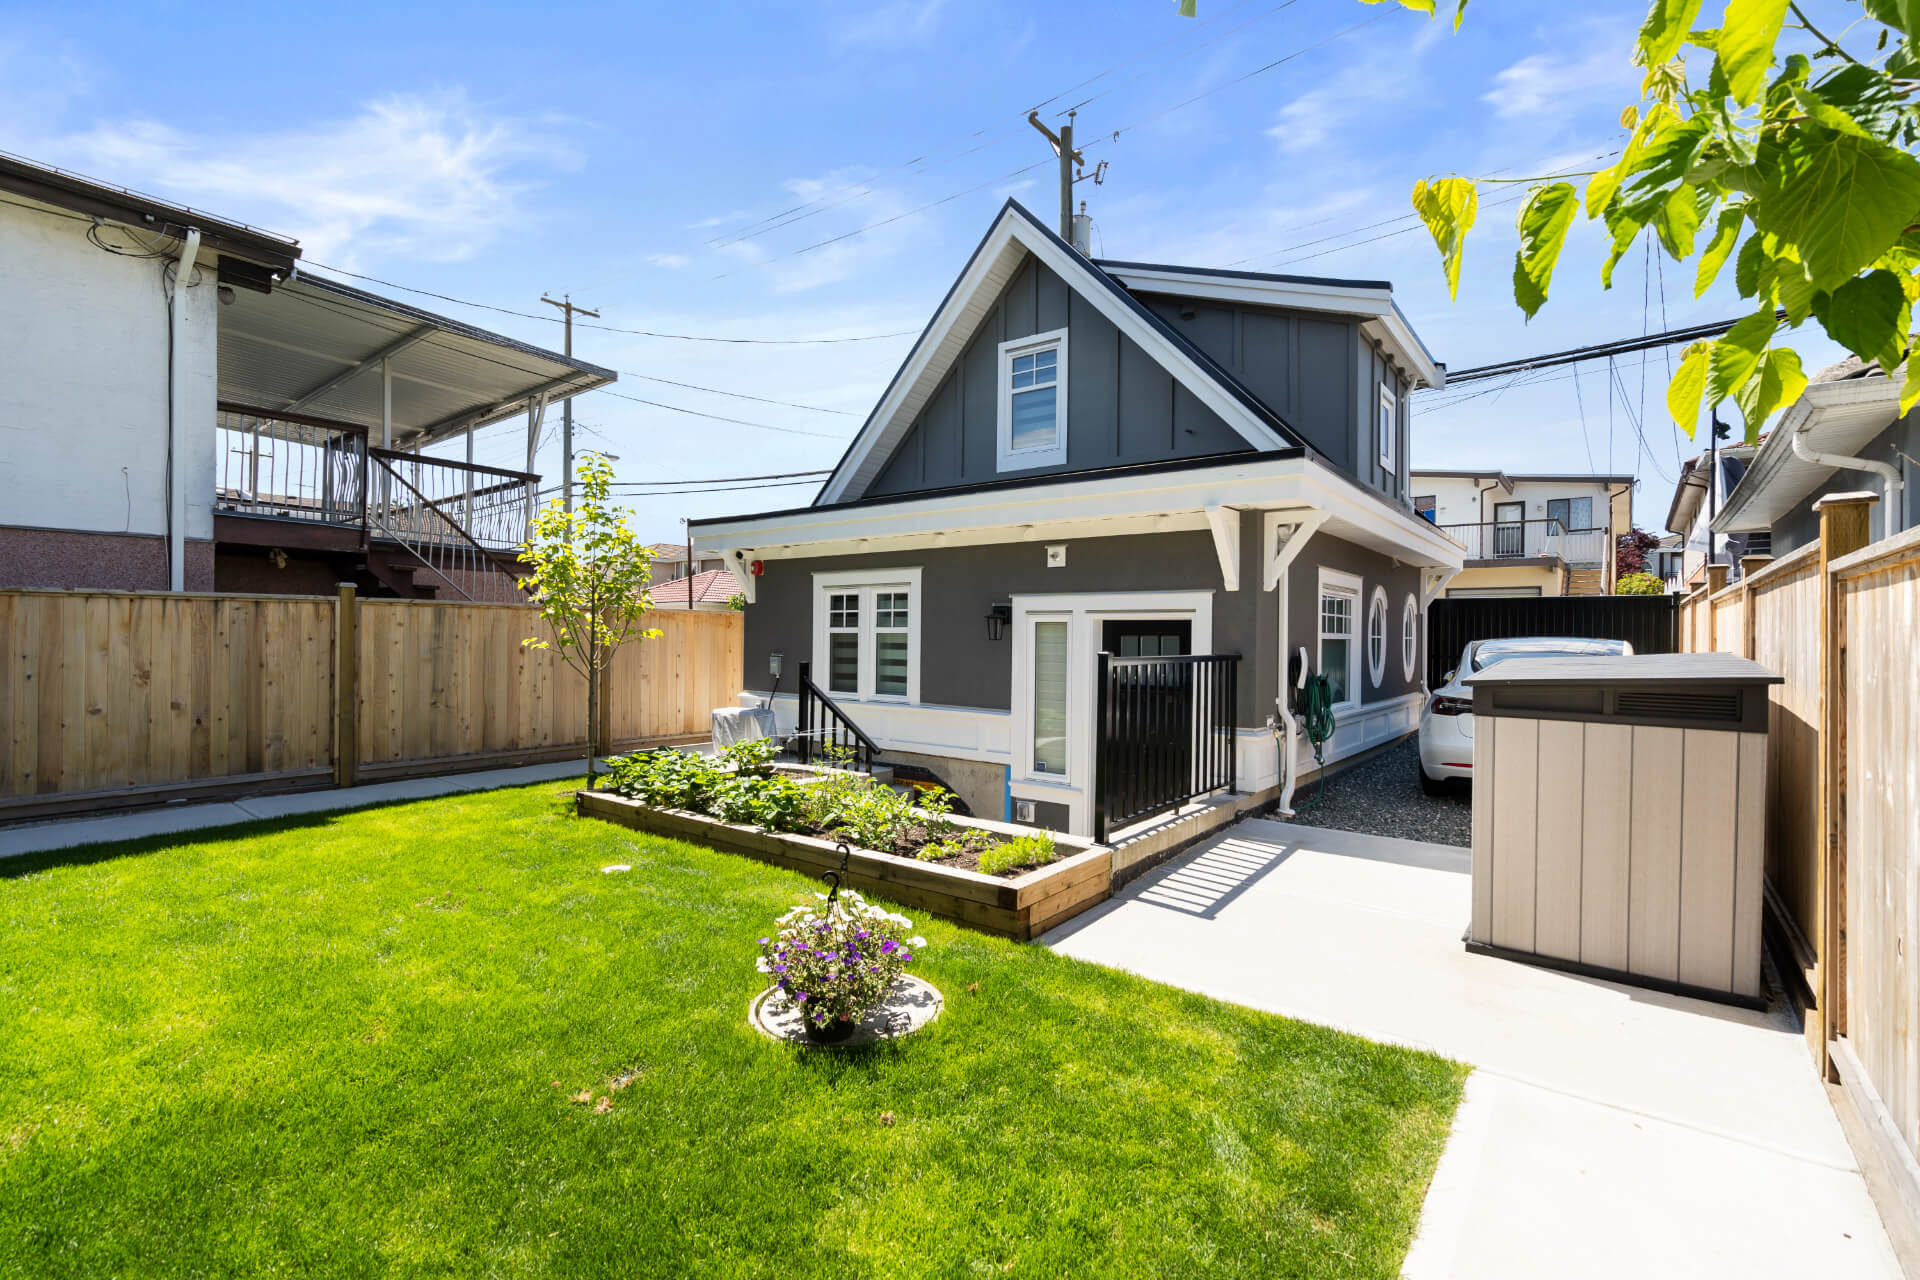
<point x="1749" y="565"/>
<point x="346" y="686"/>
<point x="1843" y="530"/>
<point x="1716" y="582"/>
<point x="1100" y="738"/>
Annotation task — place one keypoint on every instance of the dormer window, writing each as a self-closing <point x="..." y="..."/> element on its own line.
<point x="1033" y="401"/>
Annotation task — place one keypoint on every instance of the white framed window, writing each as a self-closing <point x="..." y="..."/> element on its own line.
<point x="1050" y="679"/>
<point x="1389" y="421"/>
<point x="1409" y="636"/>
<point x="1339" y="641"/>
<point x="1032" y="428"/>
<point x="1377" y="637"/>
<point x="867" y="634"/>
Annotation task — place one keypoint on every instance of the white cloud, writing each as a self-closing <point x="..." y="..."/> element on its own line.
<point x="898" y="24"/>
<point x="669" y="260"/>
<point x="1307" y="120"/>
<point x="1546" y="83"/>
<point x="421" y="176"/>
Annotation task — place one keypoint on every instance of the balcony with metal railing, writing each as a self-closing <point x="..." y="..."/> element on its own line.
<point x="1530" y="540"/>
<point x="458" y="521"/>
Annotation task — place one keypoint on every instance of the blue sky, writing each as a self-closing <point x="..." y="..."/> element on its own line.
<point x="633" y="155"/>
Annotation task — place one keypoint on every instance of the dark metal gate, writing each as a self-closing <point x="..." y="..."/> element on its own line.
<point x="1651" y="624"/>
<point x="1163" y="734"/>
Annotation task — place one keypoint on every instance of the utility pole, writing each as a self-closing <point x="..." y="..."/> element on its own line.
<point x="566" y="406"/>
<point x="1062" y="143"/>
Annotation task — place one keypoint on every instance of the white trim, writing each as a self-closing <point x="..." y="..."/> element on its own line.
<point x="1148" y="501"/>
<point x="1389" y="430"/>
<point x="1363" y="727"/>
<point x="1377" y="611"/>
<point x="1013" y="236"/>
<point x="1007" y="457"/>
<point x="958" y="733"/>
<point x="1083" y="612"/>
<point x="1225" y="523"/>
<point x="1331" y="582"/>
<point x="1410" y="636"/>
<point x="1382" y="320"/>
<point x="867" y="582"/>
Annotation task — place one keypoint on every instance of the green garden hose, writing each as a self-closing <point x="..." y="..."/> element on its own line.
<point x="1317" y="719"/>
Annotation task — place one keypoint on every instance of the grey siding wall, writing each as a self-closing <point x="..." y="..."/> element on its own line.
<point x="1317" y="371"/>
<point x="1802" y="525"/>
<point x="960" y="667"/>
<point x="1373" y="569"/>
<point x="1121" y="405"/>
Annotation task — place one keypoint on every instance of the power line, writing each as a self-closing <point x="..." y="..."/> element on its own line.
<point x="1573" y="355"/>
<point x="777" y="475"/>
<point x="1109" y="138"/>
<point x="607" y="328"/>
<point x="738" y="488"/>
<point x="737" y="395"/>
<point x="742" y="422"/>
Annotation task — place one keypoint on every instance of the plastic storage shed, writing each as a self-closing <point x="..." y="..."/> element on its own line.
<point x="1618" y="818"/>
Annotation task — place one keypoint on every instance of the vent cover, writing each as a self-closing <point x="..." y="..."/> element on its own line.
<point x="1722" y="706"/>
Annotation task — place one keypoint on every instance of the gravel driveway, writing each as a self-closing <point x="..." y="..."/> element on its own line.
<point x="1382" y="797"/>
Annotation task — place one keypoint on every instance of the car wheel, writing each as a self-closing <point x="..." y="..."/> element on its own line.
<point x="1434" y="786"/>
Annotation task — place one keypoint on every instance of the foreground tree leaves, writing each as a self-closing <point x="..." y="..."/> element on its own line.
<point x="1810" y="159"/>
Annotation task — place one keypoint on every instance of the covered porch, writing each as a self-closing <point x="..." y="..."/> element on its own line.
<point x="328" y="398"/>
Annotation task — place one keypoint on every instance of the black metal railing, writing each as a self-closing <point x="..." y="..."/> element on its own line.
<point x="1163" y="734"/>
<point x="823" y="732"/>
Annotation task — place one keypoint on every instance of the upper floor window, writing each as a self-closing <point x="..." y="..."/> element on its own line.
<point x="1572" y="513"/>
<point x="1389" y="421"/>
<point x="1427" y="507"/>
<point x="1033" y="401"/>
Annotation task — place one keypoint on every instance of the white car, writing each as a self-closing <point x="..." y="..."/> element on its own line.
<point x="1446" y="722"/>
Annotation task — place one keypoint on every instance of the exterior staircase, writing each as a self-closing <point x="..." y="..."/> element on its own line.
<point x="1586" y="580"/>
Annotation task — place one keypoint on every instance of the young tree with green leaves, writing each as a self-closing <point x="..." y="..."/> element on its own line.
<point x="1798" y="169"/>
<point x="589" y="581"/>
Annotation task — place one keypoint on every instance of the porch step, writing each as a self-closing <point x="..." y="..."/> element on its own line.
<point x="397" y="576"/>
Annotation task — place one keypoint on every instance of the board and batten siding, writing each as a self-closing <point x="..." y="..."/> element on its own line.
<point x="1122" y="404"/>
<point x="1583" y="851"/>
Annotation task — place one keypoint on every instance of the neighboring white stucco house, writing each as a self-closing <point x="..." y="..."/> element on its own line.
<point x="1529" y="535"/>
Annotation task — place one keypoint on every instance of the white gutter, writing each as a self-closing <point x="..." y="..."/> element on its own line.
<point x="181" y="405"/>
<point x="1885" y="470"/>
<point x="1283" y="558"/>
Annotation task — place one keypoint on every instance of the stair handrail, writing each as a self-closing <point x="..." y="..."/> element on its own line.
<point x="485" y="557"/>
<point x="808" y="687"/>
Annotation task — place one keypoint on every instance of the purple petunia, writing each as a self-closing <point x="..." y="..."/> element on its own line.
<point x="765" y="941"/>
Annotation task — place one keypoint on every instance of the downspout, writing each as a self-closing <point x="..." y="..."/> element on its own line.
<point x="1885" y="470"/>
<point x="178" y="405"/>
<point x="1283" y="558"/>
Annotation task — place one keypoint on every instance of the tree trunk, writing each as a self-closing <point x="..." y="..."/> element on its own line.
<point x="593" y="710"/>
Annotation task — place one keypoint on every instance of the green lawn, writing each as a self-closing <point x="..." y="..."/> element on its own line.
<point x="351" y="1045"/>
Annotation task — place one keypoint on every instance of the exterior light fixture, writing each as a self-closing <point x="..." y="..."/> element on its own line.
<point x="998" y="616"/>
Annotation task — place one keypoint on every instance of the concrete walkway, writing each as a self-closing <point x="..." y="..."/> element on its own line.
<point x="65" y="833"/>
<point x="1607" y="1131"/>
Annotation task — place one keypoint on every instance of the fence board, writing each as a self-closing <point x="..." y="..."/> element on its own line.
<point x="1881" y="750"/>
<point x="1786" y="640"/>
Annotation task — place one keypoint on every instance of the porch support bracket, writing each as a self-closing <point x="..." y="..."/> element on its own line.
<point x="1225" y="523"/>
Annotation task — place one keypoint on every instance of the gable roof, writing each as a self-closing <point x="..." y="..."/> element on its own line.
<point x="1369" y="301"/>
<point x="1014" y="235"/>
<point x="715" y="586"/>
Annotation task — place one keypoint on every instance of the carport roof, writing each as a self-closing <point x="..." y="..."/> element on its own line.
<point x="315" y="346"/>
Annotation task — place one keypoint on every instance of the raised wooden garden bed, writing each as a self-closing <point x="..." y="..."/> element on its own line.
<point x="1022" y="907"/>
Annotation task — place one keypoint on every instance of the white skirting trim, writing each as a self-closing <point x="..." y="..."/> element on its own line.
<point x="1356" y="731"/>
<point x="962" y="733"/>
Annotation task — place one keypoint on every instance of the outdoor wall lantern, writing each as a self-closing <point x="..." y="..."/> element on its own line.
<point x="998" y="616"/>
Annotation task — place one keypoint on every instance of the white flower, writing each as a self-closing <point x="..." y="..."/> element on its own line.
<point x="916" y="943"/>
<point x="761" y="964"/>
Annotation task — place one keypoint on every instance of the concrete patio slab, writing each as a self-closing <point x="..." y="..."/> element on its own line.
<point x="1607" y="1130"/>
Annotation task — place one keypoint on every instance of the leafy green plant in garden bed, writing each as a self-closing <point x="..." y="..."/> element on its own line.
<point x="743" y="785"/>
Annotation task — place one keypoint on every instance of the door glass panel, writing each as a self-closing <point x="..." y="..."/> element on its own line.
<point x="890" y="664"/>
<point x="843" y="662"/>
<point x="1050" y="697"/>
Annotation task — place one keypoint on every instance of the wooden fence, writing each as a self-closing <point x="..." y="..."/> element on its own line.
<point x="1838" y="620"/>
<point x="111" y="699"/>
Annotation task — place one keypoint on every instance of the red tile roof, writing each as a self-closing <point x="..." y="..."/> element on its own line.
<point x="715" y="586"/>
